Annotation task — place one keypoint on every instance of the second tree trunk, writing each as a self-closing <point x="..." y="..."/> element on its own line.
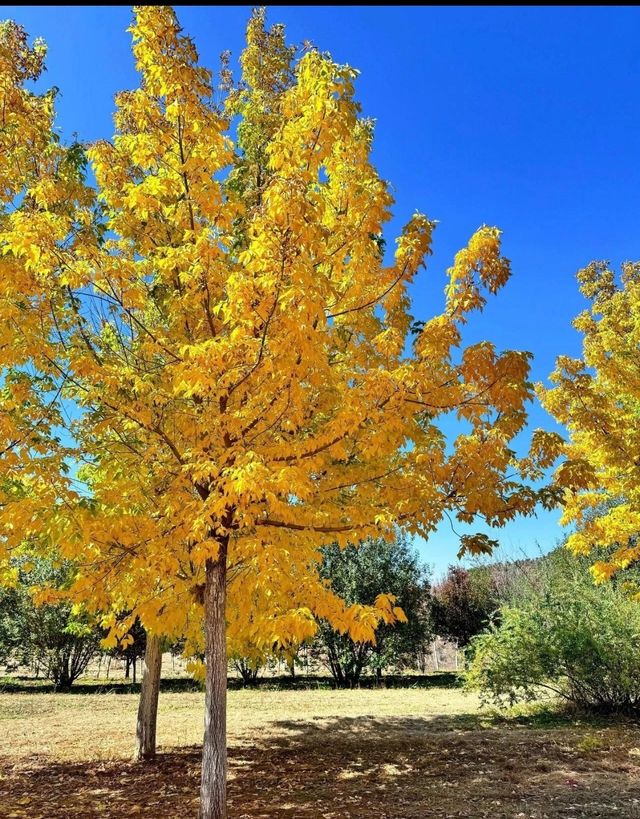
<point x="148" y="707"/>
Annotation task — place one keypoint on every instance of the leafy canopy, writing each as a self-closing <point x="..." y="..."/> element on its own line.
<point x="210" y="347"/>
<point x="597" y="397"/>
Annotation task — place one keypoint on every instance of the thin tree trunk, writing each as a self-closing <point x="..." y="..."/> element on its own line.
<point x="213" y="789"/>
<point x="148" y="706"/>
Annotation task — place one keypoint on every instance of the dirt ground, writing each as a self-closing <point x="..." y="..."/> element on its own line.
<point x="306" y="754"/>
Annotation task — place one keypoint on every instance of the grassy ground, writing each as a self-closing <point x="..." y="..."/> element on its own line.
<point x="315" y="754"/>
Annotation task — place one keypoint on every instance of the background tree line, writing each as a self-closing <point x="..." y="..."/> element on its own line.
<point x="525" y="627"/>
<point x="56" y="640"/>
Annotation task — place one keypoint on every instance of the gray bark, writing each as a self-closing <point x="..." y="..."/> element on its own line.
<point x="149" y="691"/>
<point x="213" y="790"/>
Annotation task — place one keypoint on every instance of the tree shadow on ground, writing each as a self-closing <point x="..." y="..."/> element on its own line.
<point x="360" y="768"/>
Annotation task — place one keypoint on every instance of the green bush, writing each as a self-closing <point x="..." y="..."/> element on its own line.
<point x="562" y="633"/>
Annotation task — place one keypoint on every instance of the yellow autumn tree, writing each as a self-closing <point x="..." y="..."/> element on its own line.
<point x="597" y="397"/>
<point x="41" y="190"/>
<point x="222" y="353"/>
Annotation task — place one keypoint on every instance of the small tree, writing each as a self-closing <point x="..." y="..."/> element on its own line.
<point x="11" y="627"/>
<point x="359" y="574"/>
<point x="131" y="648"/>
<point x="463" y="602"/>
<point x="64" y="642"/>
<point x="247" y="669"/>
<point x="54" y="635"/>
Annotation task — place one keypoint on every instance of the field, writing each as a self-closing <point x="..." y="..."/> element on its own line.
<point x="403" y="753"/>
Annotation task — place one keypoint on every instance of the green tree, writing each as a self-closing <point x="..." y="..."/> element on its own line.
<point x="359" y="574"/>
<point x="55" y="636"/>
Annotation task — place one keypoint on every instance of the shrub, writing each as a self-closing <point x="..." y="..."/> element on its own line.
<point x="566" y="635"/>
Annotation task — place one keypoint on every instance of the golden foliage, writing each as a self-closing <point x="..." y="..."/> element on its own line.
<point x="213" y="347"/>
<point x="597" y="397"/>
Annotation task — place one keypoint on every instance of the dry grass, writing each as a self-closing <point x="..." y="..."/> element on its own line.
<point x="402" y="753"/>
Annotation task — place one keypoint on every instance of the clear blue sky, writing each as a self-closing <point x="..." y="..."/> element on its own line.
<point x="525" y="118"/>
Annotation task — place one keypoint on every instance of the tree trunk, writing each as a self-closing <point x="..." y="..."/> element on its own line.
<point x="62" y="679"/>
<point x="213" y="789"/>
<point x="148" y="706"/>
